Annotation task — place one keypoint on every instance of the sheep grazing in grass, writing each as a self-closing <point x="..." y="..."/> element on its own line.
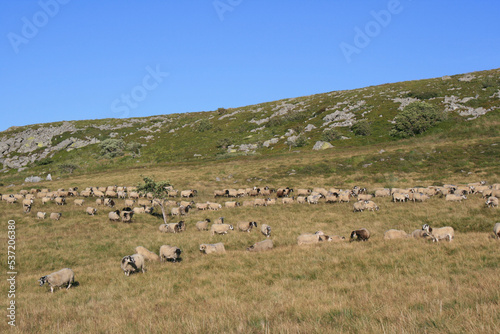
<point x="492" y="202"/>
<point x="361" y="235"/>
<point x="140" y="210"/>
<point x="496" y="230"/>
<point x="60" y="200"/>
<point x="114" y="216"/>
<point x="419" y="234"/>
<point x="371" y="206"/>
<point x="400" y="197"/>
<point x="173" y="227"/>
<point x="287" y="200"/>
<point x="365" y="197"/>
<point x="109" y="202"/>
<point x="395" y="234"/>
<point x="132" y="263"/>
<point x="91" y="211"/>
<point x="246" y="226"/>
<point x="232" y="204"/>
<point x="147" y="254"/>
<point x="11" y="200"/>
<point x="441" y="233"/>
<point x="170" y="253"/>
<point x="214" y="206"/>
<point x="26" y="208"/>
<point x="126" y="215"/>
<point x="261" y="246"/>
<point x="359" y="206"/>
<point x="46" y="199"/>
<point x="221" y="228"/>
<point x="55" y="215"/>
<point x="384" y="192"/>
<point x="266" y="230"/>
<point x="455" y="198"/>
<point x="129" y="202"/>
<point x="307" y="239"/>
<point x="202" y="225"/>
<point x="212" y="248"/>
<point x="78" y="202"/>
<point x="63" y="277"/>
<point x="40" y="215"/>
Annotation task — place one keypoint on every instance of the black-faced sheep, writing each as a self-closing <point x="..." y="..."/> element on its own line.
<point x="132" y="263"/>
<point x="492" y="202"/>
<point x="91" y="211"/>
<point x="220" y="228"/>
<point x="361" y="235"/>
<point x="202" y="225"/>
<point x="170" y="253"/>
<point x="246" y="226"/>
<point x="212" y="248"/>
<point x="266" y="230"/>
<point x="114" y="216"/>
<point x="55" y="215"/>
<point x="440" y="233"/>
<point x="63" y="277"/>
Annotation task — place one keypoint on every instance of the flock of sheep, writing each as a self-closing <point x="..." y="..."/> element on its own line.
<point x="138" y="203"/>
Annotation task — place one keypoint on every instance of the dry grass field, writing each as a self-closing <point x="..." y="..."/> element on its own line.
<point x="378" y="286"/>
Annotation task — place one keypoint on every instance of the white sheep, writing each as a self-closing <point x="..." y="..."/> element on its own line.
<point x="212" y="248"/>
<point x="60" y="278"/>
<point x="246" y="226"/>
<point x="261" y="246"/>
<point x="221" y="228"/>
<point x="40" y="215"/>
<point x="395" y="234"/>
<point x="114" y="216"/>
<point x="55" y="215"/>
<point x="400" y="197"/>
<point x="78" y="202"/>
<point x="202" y="225"/>
<point x="455" y="198"/>
<point x="492" y="202"/>
<point x="147" y="254"/>
<point x="496" y="230"/>
<point x="60" y="200"/>
<point x="170" y="253"/>
<point x="359" y="206"/>
<point x="306" y="239"/>
<point x="266" y="230"/>
<point x="440" y="233"/>
<point x="132" y="263"/>
<point x="91" y="211"/>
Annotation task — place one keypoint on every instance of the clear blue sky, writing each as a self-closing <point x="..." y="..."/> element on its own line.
<point x="76" y="59"/>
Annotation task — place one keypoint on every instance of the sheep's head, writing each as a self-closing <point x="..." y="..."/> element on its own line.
<point x="353" y="233"/>
<point x="203" y="248"/>
<point x="43" y="280"/>
<point x="426" y="227"/>
<point x="254" y="224"/>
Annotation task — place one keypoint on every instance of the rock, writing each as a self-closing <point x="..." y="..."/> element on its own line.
<point x="309" y="127"/>
<point x="269" y="142"/>
<point x="322" y="145"/>
<point x="49" y="177"/>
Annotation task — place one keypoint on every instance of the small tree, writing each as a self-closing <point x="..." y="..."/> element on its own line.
<point x="159" y="191"/>
<point x="416" y="118"/>
<point x="111" y="148"/>
<point x="67" y="168"/>
<point x="135" y="148"/>
<point x="330" y="135"/>
<point x="361" y="128"/>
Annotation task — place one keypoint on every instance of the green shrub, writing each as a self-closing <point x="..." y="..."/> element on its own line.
<point x="67" y="168"/>
<point x="423" y="94"/>
<point x="331" y="135"/>
<point x="135" y="148"/>
<point x="203" y="125"/>
<point x="44" y="162"/>
<point x="224" y="143"/>
<point x="221" y="111"/>
<point x="416" y="118"/>
<point x="361" y="128"/>
<point x="299" y="142"/>
<point x="111" y="148"/>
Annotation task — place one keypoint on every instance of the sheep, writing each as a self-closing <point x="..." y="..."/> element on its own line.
<point x="283" y="192"/>
<point x="147" y="209"/>
<point x="91" y="211"/>
<point x="418" y="234"/>
<point x="111" y="193"/>
<point x="219" y="193"/>
<point x="133" y="195"/>
<point x="180" y="211"/>
<point x="202" y="225"/>
<point x="26" y="208"/>
<point x="40" y="215"/>
<point x="371" y="206"/>
<point x="301" y="199"/>
<point x="27" y="202"/>
<point x="126" y="214"/>
<point x="86" y="193"/>
<point x="11" y="200"/>
<point x="261" y="246"/>
<point x="492" y="201"/>
<point x="395" y="234"/>
<point x="201" y="206"/>
<point x="173" y="227"/>
<point x="344" y="197"/>
<point x="455" y="198"/>
<point x="58" y="279"/>
<point x="98" y="193"/>
<point x="400" y="197"/>
<point x="313" y="199"/>
<point x="365" y="197"/>
<point x="221" y="228"/>
<point x="232" y="193"/>
<point x="287" y="200"/>
<point x="188" y="193"/>
<point x="212" y="248"/>
<point x="46" y="199"/>
<point x="132" y="263"/>
<point x="440" y="233"/>
<point x="361" y="235"/>
<point x="420" y="197"/>
<point x="303" y="192"/>
<point x="114" y="216"/>
<point x="384" y="192"/>
<point x="266" y="230"/>
<point x="246" y="226"/>
<point x="232" y="204"/>
<point x="170" y="253"/>
<point x="144" y="202"/>
<point x="129" y="202"/>
<point x="271" y="201"/>
<point x="147" y="254"/>
<point x="307" y="239"/>
<point x="109" y="202"/>
<point x="78" y="202"/>
<point x="265" y="192"/>
<point x="496" y="230"/>
<point x="248" y="203"/>
<point x="186" y="203"/>
<point x="219" y="220"/>
<point x="214" y="206"/>
<point x="260" y="202"/>
<point x="121" y="194"/>
<point x="55" y="215"/>
<point x="337" y="238"/>
<point x="359" y="206"/>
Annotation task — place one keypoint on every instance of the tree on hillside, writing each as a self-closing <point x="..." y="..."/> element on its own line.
<point x="416" y="118"/>
<point x="159" y="191"/>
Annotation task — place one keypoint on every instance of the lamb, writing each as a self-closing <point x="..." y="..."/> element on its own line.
<point x="114" y="215"/>
<point x="455" y="198"/>
<point x="40" y="215"/>
<point x="132" y="263"/>
<point x="492" y="202"/>
<point x="361" y="235"/>
<point x="261" y="246"/>
<point x="496" y="230"/>
<point x="221" y="228"/>
<point x="58" y="279"/>
<point x="212" y="248"/>
<point x="266" y="230"/>
<point x="203" y="225"/>
<point x="246" y="226"/>
<point x="170" y="253"/>
<point x="55" y="215"/>
<point x="395" y="234"/>
<point x="440" y="233"/>
<point x="91" y="211"/>
<point x="147" y="254"/>
<point x="78" y="202"/>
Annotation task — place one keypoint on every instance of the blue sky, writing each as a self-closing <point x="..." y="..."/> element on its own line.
<point x="75" y="59"/>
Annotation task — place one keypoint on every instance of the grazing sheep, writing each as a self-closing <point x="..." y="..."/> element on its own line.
<point x="212" y="248"/>
<point x="55" y="215"/>
<point x="86" y="193"/>
<point x="246" y="226"/>
<point x="303" y="192"/>
<point x="384" y="192"/>
<point x="287" y="200"/>
<point x="201" y="206"/>
<point x="332" y="198"/>
<point x="221" y="228"/>
<point x="78" y="202"/>
<point x="126" y="214"/>
<point x="440" y="233"/>
<point x="361" y="235"/>
<point x="283" y="192"/>
<point x="188" y="193"/>
<point x="420" y="197"/>
<point x="496" y="230"/>
<point x="129" y="202"/>
<point x="173" y="227"/>
<point x="109" y="202"/>
<point x="308" y="239"/>
<point x="325" y="238"/>
<point x="27" y="202"/>
<point x="91" y="211"/>
<point x="214" y="206"/>
<point x="344" y="197"/>
<point x="40" y="215"/>
<point x="219" y="220"/>
<point x="261" y="246"/>
<point x="147" y="254"/>
<point x="232" y="204"/>
<point x="180" y="211"/>
<point x="114" y="216"/>
<point x="455" y="198"/>
<point x="248" y="203"/>
<point x="26" y="208"/>
<point x="46" y="199"/>
<point x="313" y="199"/>
<point x="203" y="225"/>
<point x="400" y="197"/>
<point x="365" y="197"/>
<point x="266" y="230"/>
<point x="11" y="200"/>
<point x="301" y="199"/>
<point x="419" y="234"/>
<point x="58" y="279"/>
<point x="133" y="263"/>
<point x="99" y="201"/>
<point x="359" y="206"/>
<point x="170" y="253"/>
<point x="371" y="206"/>
<point x="111" y="193"/>
<point x="144" y="202"/>
<point x="395" y="234"/>
<point x="260" y="202"/>
<point x="271" y="201"/>
<point x="219" y="193"/>
<point x="492" y="202"/>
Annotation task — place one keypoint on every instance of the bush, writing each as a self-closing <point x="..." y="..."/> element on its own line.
<point x="221" y="111"/>
<point x="135" y="148"/>
<point x="203" y="125"/>
<point x="111" y="148"/>
<point x="224" y="142"/>
<point x="423" y="94"/>
<point x="416" y="118"/>
<point x="300" y="141"/>
<point x="331" y="135"/>
<point x="67" y="168"/>
<point x="361" y="128"/>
